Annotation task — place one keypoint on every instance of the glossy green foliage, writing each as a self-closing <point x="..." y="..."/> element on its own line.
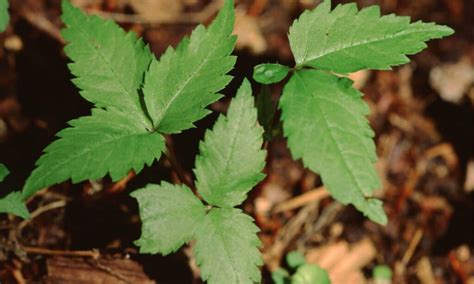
<point x="324" y="117"/>
<point x="270" y="73"/>
<point x="123" y="132"/>
<point x="227" y="248"/>
<point x="170" y="214"/>
<point x="229" y="165"/>
<point x="186" y="80"/>
<point x="346" y="40"/>
<point x="4" y="15"/>
<point x="105" y="142"/>
<point x="119" y="59"/>
<point x="230" y="160"/>
<point x="324" y="120"/>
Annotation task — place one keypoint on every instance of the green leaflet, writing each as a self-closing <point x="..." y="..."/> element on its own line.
<point x="324" y="120"/>
<point x="347" y="40"/>
<point x="12" y="203"/>
<point x="4" y="16"/>
<point x="270" y="73"/>
<point x="231" y="159"/>
<point x="109" y="64"/>
<point x="226" y="248"/>
<point x="170" y="214"/>
<point x="186" y="80"/>
<point x="324" y="117"/>
<point x="105" y="142"/>
<point x="229" y="166"/>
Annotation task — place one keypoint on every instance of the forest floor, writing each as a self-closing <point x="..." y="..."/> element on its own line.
<point x="422" y="114"/>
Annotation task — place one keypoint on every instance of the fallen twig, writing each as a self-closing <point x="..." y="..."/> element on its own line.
<point x="314" y="195"/>
<point x="412" y="246"/>
<point x="39" y="211"/>
<point x="95" y="254"/>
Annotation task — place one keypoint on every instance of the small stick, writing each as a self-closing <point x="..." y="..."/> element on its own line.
<point x="39" y="211"/>
<point x="110" y="271"/>
<point x="18" y="276"/>
<point x="286" y="234"/>
<point x="16" y="272"/>
<point x="95" y="254"/>
<point x="412" y="246"/>
<point x="311" y="196"/>
<point x="120" y="185"/>
<point x="182" y="175"/>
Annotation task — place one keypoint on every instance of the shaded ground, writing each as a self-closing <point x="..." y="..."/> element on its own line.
<point x="424" y="135"/>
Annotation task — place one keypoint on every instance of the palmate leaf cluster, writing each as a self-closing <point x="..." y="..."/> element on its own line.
<point x="136" y="97"/>
<point x="228" y="167"/>
<point x="324" y="116"/>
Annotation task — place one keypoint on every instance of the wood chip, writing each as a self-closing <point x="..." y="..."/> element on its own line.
<point x="102" y="271"/>
<point x="424" y="272"/>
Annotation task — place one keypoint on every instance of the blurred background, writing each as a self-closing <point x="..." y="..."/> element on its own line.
<point x="422" y="114"/>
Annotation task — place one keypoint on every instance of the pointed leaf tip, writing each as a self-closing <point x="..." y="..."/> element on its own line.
<point x="231" y="159"/>
<point x="346" y="39"/>
<point x="199" y="66"/>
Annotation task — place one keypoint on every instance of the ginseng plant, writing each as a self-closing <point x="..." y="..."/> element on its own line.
<point x="139" y="99"/>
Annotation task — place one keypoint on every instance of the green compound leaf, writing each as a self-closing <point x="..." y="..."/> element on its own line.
<point x="13" y="204"/>
<point x="169" y="214"/>
<point x="347" y="40"/>
<point x="4" y="16"/>
<point x="109" y="64"/>
<point x="3" y="172"/>
<point x="105" y="142"/>
<point x="270" y="73"/>
<point x="324" y="120"/>
<point x="310" y="274"/>
<point x="186" y="80"/>
<point x="226" y="248"/>
<point x="231" y="159"/>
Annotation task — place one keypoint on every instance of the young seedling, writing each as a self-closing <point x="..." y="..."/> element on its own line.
<point x="304" y="273"/>
<point x="228" y="167"/>
<point x="139" y="99"/>
<point x="324" y="116"/>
